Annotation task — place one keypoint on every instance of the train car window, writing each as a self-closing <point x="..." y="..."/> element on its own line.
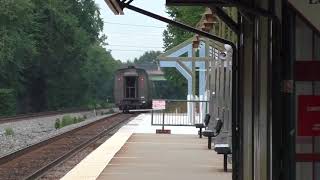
<point x="130" y="84"/>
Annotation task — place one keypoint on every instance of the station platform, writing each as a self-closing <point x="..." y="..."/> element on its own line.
<point x="135" y="152"/>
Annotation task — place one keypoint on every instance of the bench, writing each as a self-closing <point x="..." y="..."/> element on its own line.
<point x="219" y="148"/>
<point x="225" y="150"/>
<point x="203" y="125"/>
<point x="210" y="133"/>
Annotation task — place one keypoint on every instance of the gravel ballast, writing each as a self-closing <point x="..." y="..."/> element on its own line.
<point x="31" y="131"/>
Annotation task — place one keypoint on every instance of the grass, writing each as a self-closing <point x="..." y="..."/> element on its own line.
<point x="67" y="120"/>
<point x="9" y="132"/>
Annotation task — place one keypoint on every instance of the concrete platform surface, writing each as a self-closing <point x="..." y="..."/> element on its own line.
<point x="155" y="157"/>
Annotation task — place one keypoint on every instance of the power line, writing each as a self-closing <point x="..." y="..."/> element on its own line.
<point x="126" y="50"/>
<point x="135" y="50"/>
<point x="159" y="35"/>
<point x="119" y="45"/>
<point x="136" y="25"/>
<point x="151" y="33"/>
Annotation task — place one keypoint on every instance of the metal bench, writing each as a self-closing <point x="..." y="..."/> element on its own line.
<point x="219" y="148"/>
<point x="225" y="150"/>
<point x="203" y="125"/>
<point x="210" y="133"/>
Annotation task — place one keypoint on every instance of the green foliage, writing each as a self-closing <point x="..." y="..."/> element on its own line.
<point x="9" y="132"/>
<point x="148" y="57"/>
<point x="67" y="120"/>
<point x="7" y="102"/>
<point x="52" y="55"/>
<point x="107" y="105"/>
<point x="188" y="15"/>
<point x="98" y="75"/>
<point x="57" y="123"/>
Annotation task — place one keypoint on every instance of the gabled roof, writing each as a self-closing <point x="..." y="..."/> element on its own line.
<point x="187" y="42"/>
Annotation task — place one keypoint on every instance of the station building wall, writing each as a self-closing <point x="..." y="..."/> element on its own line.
<point x="307" y="48"/>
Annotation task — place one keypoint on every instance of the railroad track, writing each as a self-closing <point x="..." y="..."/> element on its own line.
<point x="34" y="161"/>
<point x="41" y="114"/>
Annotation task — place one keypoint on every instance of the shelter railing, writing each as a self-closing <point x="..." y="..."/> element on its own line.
<point x="180" y="113"/>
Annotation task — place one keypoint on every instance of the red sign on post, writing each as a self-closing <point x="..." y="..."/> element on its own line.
<point x="158" y="104"/>
<point x="309" y="115"/>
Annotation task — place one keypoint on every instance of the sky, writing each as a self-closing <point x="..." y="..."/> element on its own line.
<point x="132" y="34"/>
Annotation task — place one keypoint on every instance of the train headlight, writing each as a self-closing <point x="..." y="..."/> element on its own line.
<point x="143" y="102"/>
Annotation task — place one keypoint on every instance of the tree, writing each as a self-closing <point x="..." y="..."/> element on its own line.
<point x="173" y="35"/>
<point x="148" y="57"/>
<point x="51" y="54"/>
<point x="98" y="73"/>
<point x="16" y="28"/>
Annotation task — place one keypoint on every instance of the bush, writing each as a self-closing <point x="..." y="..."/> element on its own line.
<point x="75" y="120"/>
<point x="98" y="106"/>
<point x="91" y="106"/>
<point x="57" y="123"/>
<point x="9" y="132"/>
<point x="80" y="119"/>
<point x="67" y="120"/>
<point x="107" y="105"/>
<point x="7" y="102"/>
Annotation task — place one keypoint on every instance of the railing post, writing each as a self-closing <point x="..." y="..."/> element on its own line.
<point x="194" y="110"/>
<point x="151" y="117"/>
<point x="162" y="120"/>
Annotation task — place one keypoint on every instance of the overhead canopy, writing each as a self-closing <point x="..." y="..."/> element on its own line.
<point x="309" y="9"/>
<point x="196" y="2"/>
<point x="115" y="7"/>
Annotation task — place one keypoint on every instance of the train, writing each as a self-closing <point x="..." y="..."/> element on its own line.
<point x="132" y="89"/>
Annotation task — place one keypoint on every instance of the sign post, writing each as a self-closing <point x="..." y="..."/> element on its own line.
<point x="160" y="104"/>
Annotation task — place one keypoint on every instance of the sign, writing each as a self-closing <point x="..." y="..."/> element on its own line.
<point x="309" y="9"/>
<point x="158" y="104"/>
<point x="309" y="115"/>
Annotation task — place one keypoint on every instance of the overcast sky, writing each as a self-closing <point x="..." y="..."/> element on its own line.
<point x="132" y="34"/>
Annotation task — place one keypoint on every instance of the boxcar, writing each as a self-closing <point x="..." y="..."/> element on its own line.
<point x="132" y="89"/>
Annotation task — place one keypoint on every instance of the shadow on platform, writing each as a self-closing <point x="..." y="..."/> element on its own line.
<point x="160" y="156"/>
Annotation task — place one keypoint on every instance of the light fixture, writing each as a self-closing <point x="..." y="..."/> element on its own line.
<point x="195" y="41"/>
<point x="209" y="15"/>
<point x="208" y="25"/>
<point x="223" y="55"/>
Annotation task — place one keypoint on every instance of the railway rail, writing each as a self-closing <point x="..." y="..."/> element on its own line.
<point x="34" y="161"/>
<point x="41" y="114"/>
